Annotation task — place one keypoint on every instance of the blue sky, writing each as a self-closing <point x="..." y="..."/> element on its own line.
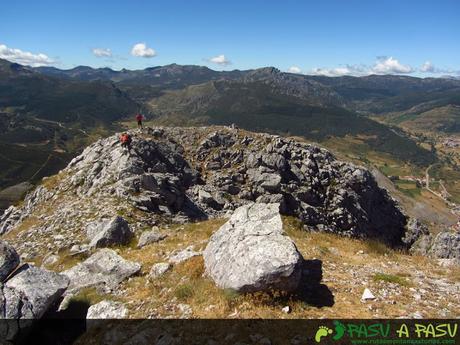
<point x="322" y="37"/>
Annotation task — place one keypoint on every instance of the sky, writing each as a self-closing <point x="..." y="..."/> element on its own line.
<point x="328" y="37"/>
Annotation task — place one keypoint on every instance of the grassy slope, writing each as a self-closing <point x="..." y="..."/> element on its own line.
<point x="45" y="121"/>
<point x="255" y="106"/>
<point x="444" y="119"/>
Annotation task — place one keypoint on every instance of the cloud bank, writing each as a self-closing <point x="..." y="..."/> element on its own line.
<point x="24" y="58"/>
<point x="382" y="65"/>
<point x="390" y="65"/>
<point x="294" y="69"/>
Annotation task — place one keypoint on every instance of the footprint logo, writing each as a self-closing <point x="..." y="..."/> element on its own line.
<point x="339" y="330"/>
<point x="322" y="331"/>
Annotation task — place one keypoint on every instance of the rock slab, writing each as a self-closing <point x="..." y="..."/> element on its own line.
<point x="148" y="237"/>
<point x="107" y="310"/>
<point x="251" y="252"/>
<point x="107" y="233"/>
<point x="104" y="267"/>
<point x="31" y="292"/>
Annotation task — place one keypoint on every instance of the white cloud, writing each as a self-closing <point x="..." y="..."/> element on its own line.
<point x="102" y="52"/>
<point x="294" y="69"/>
<point x="383" y="65"/>
<point x="141" y="50"/>
<point x="220" y="60"/>
<point x="332" y="72"/>
<point x="355" y="70"/>
<point x="427" y="67"/>
<point x="390" y="65"/>
<point x="24" y="58"/>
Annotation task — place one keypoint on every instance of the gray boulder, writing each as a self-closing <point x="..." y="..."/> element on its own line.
<point x="31" y="292"/>
<point x="9" y="260"/>
<point x="148" y="237"/>
<point x="103" y="268"/>
<point x="251" y="252"/>
<point x="159" y="269"/>
<point x="107" y="233"/>
<point x="183" y="255"/>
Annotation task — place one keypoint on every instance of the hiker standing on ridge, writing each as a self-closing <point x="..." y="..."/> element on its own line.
<point x="139" y="119"/>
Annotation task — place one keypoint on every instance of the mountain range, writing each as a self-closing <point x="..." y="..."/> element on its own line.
<point x="49" y="114"/>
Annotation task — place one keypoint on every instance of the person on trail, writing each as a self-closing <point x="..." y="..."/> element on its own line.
<point x="125" y="140"/>
<point x="139" y="119"/>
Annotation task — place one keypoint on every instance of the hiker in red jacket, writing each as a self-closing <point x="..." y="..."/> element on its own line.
<point x="125" y="140"/>
<point x="139" y="118"/>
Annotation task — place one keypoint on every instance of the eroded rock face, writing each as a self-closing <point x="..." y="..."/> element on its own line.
<point x="415" y="231"/>
<point x="446" y="245"/>
<point x="104" y="268"/>
<point x="251" y="253"/>
<point x="9" y="260"/>
<point x="14" y="215"/>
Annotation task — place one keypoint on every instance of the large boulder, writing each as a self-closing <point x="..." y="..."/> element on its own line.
<point x="9" y="260"/>
<point x="104" y="268"/>
<point x="31" y="292"/>
<point x="251" y="252"/>
<point x="110" y="232"/>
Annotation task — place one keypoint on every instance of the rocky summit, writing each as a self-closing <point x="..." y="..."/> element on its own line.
<point x="183" y="174"/>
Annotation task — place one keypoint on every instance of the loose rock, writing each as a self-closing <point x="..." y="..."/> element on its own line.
<point x="159" y="269"/>
<point x="148" y="237"/>
<point x="367" y="295"/>
<point x="183" y="255"/>
<point x="108" y="233"/>
<point x="107" y="310"/>
<point x="105" y="268"/>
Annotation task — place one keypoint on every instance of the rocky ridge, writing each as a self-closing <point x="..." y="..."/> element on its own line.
<point x="136" y="201"/>
<point x="183" y="174"/>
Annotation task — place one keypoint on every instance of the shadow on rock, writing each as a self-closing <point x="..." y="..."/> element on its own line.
<point x="60" y="327"/>
<point x="311" y="291"/>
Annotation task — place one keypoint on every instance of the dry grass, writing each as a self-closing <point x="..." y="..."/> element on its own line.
<point x="348" y="265"/>
<point x="346" y="273"/>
